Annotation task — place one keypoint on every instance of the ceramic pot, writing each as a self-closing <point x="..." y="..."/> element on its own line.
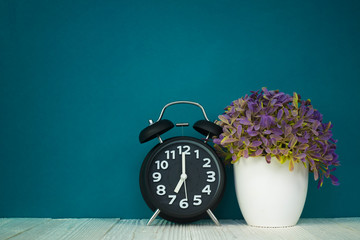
<point x="269" y="195"/>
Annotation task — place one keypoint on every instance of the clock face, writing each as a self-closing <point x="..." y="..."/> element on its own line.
<point x="183" y="177"/>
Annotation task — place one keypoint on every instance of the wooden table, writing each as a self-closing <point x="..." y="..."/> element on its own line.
<point x="106" y="229"/>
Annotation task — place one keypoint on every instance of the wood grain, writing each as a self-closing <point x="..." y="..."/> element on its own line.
<point x="17" y="226"/>
<point x="133" y="229"/>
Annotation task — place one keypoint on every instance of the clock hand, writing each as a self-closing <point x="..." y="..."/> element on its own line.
<point x="186" y="196"/>
<point x="183" y="163"/>
<point x="183" y="175"/>
<point x="181" y="181"/>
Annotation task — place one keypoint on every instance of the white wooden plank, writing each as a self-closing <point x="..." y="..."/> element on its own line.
<point x="230" y="229"/>
<point x="18" y="226"/>
<point x="207" y="230"/>
<point x="42" y="231"/>
<point x="353" y="224"/>
<point x="60" y="231"/>
<point x="327" y="229"/>
<point x="133" y="229"/>
<point x="239" y="230"/>
<point x="68" y="229"/>
<point x="137" y="229"/>
<point x="4" y="220"/>
<point x="163" y="229"/>
<point x="125" y="229"/>
<point x="83" y="229"/>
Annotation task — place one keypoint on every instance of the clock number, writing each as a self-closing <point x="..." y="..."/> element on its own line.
<point x="183" y="203"/>
<point x="181" y="149"/>
<point x="206" y="190"/>
<point x="187" y="151"/>
<point x="211" y="176"/>
<point x="197" y="200"/>
<point x="160" y="190"/>
<point x="156" y="177"/>
<point x="197" y="153"/>
<point x="173" y="197"/>
<point x="168" y="152"/>
<point x="163" y="164"/>
<point x="207" y="163"/>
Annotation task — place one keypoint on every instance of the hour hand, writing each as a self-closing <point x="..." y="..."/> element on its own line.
<point x="178" y="186"/>
<point x="181" y="181"/>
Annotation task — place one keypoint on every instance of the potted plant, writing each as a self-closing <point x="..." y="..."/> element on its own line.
<point x="274" y="140"/>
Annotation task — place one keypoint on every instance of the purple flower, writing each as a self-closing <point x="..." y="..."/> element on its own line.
<point x="275" y="124"/>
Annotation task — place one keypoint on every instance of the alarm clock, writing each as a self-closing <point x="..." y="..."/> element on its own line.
<point x="182" y="179"/>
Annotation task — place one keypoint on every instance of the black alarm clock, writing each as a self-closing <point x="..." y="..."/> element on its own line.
<point x="182" y="179"/>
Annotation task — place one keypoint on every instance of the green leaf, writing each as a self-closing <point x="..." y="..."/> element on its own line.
<point x="223" y="119"/>
<point x="294" y="112"/>
<point x="224" y="139"/>
<point x="295" y="100"/>
<point x="291" y="164"/>
<point x="316" y="174"/>
<point x="282" y="159"/>
<point x="328" y="127"/>
<point x="303" y="146"/>
<point x="292" y="142"/>
<point x="234" y="118"/>
<point x="227" y="140"/>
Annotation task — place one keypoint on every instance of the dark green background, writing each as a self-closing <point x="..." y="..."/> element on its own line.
<point x="80" y="79"/>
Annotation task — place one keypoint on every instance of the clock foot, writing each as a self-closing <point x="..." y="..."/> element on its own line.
<point x="156" y="213"/>
<point x="212" y="216"/>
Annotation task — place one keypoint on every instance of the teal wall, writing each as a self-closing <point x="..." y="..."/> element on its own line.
<point x="80" y="79"/>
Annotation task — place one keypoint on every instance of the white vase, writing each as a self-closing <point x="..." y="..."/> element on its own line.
<point x="269" y="195"/>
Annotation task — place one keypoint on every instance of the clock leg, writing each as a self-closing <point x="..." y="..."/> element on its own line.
<point x="212" y="216"/>
<point x="156" y="213"/>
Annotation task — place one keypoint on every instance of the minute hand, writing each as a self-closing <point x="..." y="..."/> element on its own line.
<point x="183" y="163"/>
<point x="183" y="175"/>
